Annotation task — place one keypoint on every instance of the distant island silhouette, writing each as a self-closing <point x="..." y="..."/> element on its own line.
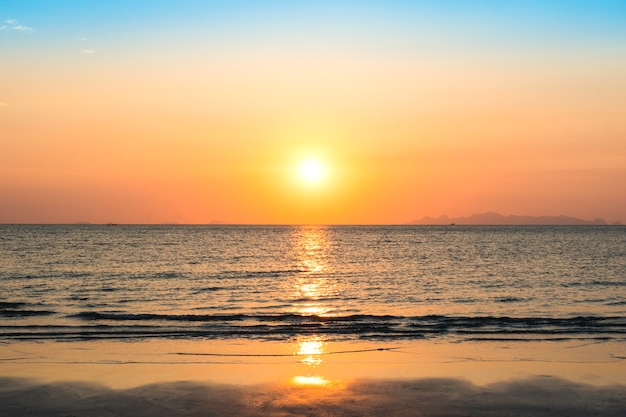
<point x="491" y="218"/>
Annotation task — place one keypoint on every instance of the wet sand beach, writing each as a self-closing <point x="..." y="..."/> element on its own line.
<point x="310" y="377"/>
<point x="540" y="396"/>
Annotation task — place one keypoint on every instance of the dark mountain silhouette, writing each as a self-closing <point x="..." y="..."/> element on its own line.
<point x="491" y="218"/>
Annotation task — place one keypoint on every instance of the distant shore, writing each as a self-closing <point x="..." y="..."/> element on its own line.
<point x="495" y="219"/>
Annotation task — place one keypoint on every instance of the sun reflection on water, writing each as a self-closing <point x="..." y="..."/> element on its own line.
<point x="311" y="244"/>
<point x="310" y="289"/>
<point x="312" y="286"/>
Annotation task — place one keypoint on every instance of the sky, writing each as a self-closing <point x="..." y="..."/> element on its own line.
<point x="211" y="111"/>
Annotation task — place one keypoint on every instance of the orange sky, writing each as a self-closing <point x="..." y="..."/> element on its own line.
<point x="202" y="113"/>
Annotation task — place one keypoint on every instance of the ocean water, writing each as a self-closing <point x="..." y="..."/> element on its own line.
<point x="457" y="283"/>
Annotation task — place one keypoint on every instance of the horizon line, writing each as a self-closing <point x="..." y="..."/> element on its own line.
<point x="411" y="224"/>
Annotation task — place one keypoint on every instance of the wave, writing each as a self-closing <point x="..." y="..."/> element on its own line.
<point x="100" y="325"/>
<point x="597" y="282"/>
<point x="20" y="309"/>
<point x="8" y="304"/>
<point x="209" y="289"/>
<point x="510" y="299"/>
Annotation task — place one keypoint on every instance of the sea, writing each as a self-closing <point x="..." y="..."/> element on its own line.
<point x="346" y="283"/>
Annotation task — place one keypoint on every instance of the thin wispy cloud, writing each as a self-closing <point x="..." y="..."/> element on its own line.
<point x="22" y="28"/>
<point x="12" y="24"/>
<point x="3" y="104"/>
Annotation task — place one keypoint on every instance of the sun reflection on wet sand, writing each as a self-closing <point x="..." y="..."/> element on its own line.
<point x="310" y="380"/>
<point x="311" y="348"/>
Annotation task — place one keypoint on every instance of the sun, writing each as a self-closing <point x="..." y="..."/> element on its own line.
<point x="311" y="171"/>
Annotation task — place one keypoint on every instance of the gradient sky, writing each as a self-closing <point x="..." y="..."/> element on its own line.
<point x="199" y="111"/>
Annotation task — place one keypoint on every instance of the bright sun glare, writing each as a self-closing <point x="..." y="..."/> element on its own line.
<point x="311" y="171"/>
<point x="309" y="380"/>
